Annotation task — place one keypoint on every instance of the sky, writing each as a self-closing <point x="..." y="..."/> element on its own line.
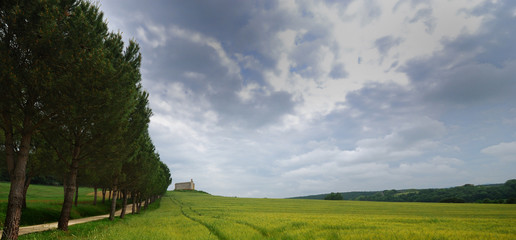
<point x="290" y="98"/>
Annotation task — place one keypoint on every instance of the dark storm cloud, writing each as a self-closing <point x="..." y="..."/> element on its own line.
<point x="473" y="83"/>
<point x="472" y="67"/>
<point x="339" y="3"/>
<point x="240" y="26"/>
<point x="262" y="109"/>
<point x="181" y="57"/>
<point x="219" y="19"/>
<point x="373" y="10"/>
<point x="198" y="67"/>
<point x="183" y="41"/>
<point x="246" y="27"/>
<point x="413" y="3"/>
<point x="384" y="44"/>
<point x="425" y="16"/>
<point x="338" y="71"/>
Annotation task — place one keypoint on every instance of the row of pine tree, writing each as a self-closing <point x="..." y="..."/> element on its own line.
<point x="72" y="106"/>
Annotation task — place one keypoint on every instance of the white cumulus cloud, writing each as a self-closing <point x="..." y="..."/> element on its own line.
<point x="505" y="151"/>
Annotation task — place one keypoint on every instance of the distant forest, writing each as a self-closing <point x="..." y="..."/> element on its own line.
<point x="468" y="193"/>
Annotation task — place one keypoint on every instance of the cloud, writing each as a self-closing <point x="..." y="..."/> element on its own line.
<point x="338" y="71"/>
<point x="474" y="67"/>
<point x="425" y="15"/>
<point x="205" y="71"/>
<point x="198" y="38"/>
<point x="152" y="34"/>
<point x="505" y="151"/>
<point x="384" y="44"/>
<point x="270" y="93"/>
<point x="465" y="83"/>
<point x="405" y="143"/>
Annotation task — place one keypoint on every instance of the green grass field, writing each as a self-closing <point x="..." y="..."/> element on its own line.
<point x="44" y="204"/>
<point x="184" y="215"/>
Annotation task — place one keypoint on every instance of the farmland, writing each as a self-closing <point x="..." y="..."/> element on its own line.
<point x="184" y="215"/>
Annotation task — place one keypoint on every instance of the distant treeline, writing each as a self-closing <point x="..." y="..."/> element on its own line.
<point x="468" y="193"/>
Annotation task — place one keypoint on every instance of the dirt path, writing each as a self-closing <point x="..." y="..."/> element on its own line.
<point x="48" y="226"/>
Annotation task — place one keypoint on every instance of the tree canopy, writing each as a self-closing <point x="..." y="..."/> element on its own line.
<point x="498" y="193"/>
<point x="333" y="196"/>
<point x="71" y="101"/>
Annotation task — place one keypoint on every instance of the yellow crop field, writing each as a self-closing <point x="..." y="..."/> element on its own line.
<point x="232" y="218"/>
<point x="184" y="215"/>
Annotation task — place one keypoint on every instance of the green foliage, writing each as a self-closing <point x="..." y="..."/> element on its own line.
<point x="494" y="193"/>
<point x="511" y="184"/>
<point x="345" y="195"/>
<point x="453" y="200"/>
<point x="333" y="196"/>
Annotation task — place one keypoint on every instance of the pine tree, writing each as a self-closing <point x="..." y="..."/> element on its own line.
<point x="96" y="95"/>
<point x="30" y="33"/>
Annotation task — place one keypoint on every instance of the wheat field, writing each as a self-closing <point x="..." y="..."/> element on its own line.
<point x="184" y="215"/>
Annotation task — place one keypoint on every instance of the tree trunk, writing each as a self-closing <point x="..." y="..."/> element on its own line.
<point x="109" y="195"/>
<point x="146" y="204"/>
<point x="103" y="195"/>
<point x="139" y="203"/>
<point x="95" y="197"/>
<point x="14" y="207"/>
<point x="17" y="171"/>
<point x="133" y="197"/>
<point x="76" y="194"/>
<point x="25" y="189"/>
<point x="69" y="185"/>
<point x="113" y="200"/>
<point x="124" y="205"/>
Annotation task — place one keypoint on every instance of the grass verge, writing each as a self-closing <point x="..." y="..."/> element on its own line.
<point x="44" y="204"/>
<point x="101" y="229"/>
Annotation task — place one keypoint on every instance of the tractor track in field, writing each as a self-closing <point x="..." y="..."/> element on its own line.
<point x="262" y="231"/>
<point x="212" y="230"/>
